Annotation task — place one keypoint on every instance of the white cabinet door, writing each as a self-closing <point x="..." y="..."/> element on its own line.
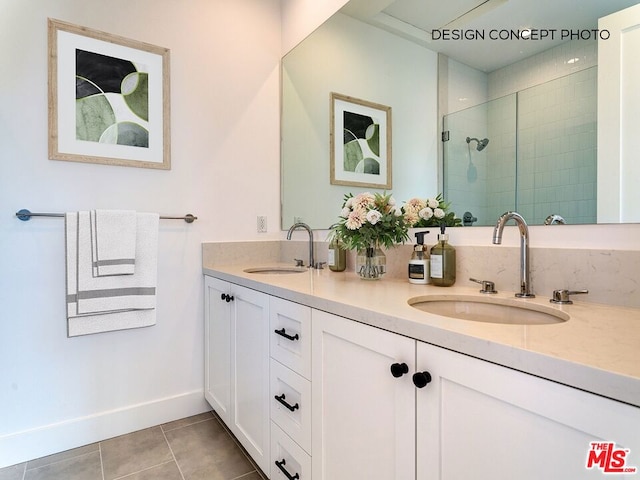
<point x="363" y="424"/>
<point x="483" y="421"/>
<point x="237" y="363"/>
<point x="250" y="372"/>
<point x="217" y="351"/>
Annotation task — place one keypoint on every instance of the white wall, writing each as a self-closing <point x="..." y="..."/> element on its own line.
<point x="301" y="17"/>
<point x="56" y="392"/>
<point x="464" y="86"/>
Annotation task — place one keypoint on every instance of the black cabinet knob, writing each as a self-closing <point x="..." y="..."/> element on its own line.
<point x="226" y="297"/>
<point x="399" y="369"/>
<point x="421" y="379"/>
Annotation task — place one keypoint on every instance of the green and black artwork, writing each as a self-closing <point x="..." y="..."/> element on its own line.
<point x="361" y="143"/>
<point x="104" y="86"/>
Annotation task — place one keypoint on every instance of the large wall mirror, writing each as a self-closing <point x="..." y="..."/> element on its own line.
<point x="518" y="113"/>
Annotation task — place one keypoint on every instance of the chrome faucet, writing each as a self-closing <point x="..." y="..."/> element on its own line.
<point x="554" y="219"/>
<point x="310" y="232"/>
<point x="525" y="281"/>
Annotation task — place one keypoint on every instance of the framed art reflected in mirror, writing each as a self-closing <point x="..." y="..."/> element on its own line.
<point x="360" y="137"/>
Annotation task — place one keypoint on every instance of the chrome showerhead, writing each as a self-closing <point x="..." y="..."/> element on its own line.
<point x="481" y="143"/>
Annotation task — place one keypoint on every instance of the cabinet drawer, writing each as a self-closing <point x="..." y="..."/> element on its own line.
<point x="287" y="456"/>
<point x="291" y="410"/>
<point x="290" y="331"/>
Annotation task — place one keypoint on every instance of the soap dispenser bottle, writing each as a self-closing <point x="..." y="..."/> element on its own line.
<point x="337" y="255"/>
<point x="443" y="261"/>
<point x="419" y="262"/>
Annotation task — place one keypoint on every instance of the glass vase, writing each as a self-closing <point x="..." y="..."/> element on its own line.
<point x="371" y="262"/>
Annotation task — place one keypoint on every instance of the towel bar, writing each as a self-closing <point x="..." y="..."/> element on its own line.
<point x="26" y="215"/>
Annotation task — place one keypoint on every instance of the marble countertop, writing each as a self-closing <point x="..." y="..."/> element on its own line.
<point x="597" y="349"/>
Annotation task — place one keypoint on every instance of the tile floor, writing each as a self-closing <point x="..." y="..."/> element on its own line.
<point x="194" y="448"/>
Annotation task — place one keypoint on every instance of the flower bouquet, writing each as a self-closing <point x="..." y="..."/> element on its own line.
<point x="429" y="212"/>
<point x="367" y="222"/>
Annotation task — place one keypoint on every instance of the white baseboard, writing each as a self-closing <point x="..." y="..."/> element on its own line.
<point x="57" y="437"/>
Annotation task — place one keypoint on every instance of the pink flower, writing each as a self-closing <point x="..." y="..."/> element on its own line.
<point x="415" y="204"/>
<point x="355" y="219"/>
<point x="411" y="217"/>
<point x="363" y="200"/>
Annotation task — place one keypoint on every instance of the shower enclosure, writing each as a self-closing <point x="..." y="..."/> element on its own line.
<point x="533" y="151"/>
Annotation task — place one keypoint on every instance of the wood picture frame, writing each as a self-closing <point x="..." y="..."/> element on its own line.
<point x="109" y="99"/>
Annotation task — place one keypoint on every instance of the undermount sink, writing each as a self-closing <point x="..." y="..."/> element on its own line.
<point x="275" y="270"/>
<point x="488" y="309"/>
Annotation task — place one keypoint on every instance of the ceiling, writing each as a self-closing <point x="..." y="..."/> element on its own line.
<point x="416" y="20"/>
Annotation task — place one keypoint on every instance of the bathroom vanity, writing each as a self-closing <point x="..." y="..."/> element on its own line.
<point x="322" y="375"/>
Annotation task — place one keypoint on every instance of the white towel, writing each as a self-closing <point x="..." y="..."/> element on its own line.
<point x="113" y="242"/>
<point x="114" y="293"/>
<point x="108" y="320"/>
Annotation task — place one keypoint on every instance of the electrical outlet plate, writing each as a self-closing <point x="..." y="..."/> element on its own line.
<point x="262" y="224"/>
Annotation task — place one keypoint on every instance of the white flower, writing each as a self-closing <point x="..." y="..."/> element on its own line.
<point x="397" y="211"/>
<point x="373" y="216"/>
<point x="432" y="203"/>
<point x="345" y="212"/>
<point x="438" y="213"/>
<point x="349" y="203"/>
<point x="392" y="201"/>
<point x="425" y="213"/>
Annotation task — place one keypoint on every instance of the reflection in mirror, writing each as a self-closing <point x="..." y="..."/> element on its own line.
<point x="402" y="70"/>
<point x="545" y="166"/>
<point x="352" y="58"/>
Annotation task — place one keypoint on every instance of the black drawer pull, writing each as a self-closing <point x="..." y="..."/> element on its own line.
<point x="226" y="297"/>
<point x="290" y="407"/>
<point x="281" y="465"/>
<point x="283" y="333"/>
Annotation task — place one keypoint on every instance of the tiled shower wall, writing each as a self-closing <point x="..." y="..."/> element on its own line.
<point x="556" y="140"/>
<point x="501" y="155"/>
<point x="570" y="57"/>
<point x="557" y="159"/>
